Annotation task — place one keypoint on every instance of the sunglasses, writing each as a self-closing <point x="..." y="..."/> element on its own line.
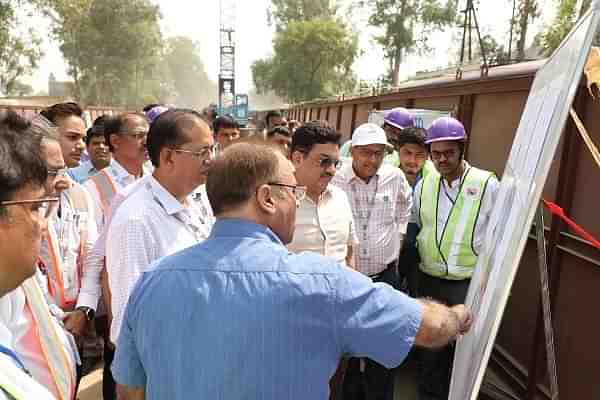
<point x="327" y="162"/>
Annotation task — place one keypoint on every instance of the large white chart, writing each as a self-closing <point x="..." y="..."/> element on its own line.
<point x="526" y="171"/>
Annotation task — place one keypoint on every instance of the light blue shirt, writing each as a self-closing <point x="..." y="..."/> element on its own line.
<point x="83" y="172"/>
<point x="240" y="317"/>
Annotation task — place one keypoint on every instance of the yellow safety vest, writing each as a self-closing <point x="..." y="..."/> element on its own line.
<point x="453" y="256"/>
<point x="18" y="385"/>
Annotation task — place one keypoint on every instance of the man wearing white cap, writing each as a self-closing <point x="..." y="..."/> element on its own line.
<point x="381" y="201"/>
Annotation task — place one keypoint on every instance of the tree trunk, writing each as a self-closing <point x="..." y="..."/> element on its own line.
<point x="527" y="12"/>
<point x="396" y="71"/>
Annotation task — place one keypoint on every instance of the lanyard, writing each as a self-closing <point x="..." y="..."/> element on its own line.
<point x="370" y="202"/>
<point x="14" y="357"/>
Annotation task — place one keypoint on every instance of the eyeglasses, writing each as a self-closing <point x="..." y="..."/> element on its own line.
<point x="299" y="192"/>
<point x="45" y="207"/>
<point x="52" y="172"/>
<point x="137" y="136"/>
<point x="327" y="162"/>
<point x="202" y="154"/>
<point x="436" y="155"/>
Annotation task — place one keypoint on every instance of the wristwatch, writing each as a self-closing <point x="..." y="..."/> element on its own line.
<point x="88" y="312"/>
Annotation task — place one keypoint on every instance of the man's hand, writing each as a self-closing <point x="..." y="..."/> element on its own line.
<point x="465" y="318"/>
<point x="76" y="323"/>
<point x="440" y="324"/>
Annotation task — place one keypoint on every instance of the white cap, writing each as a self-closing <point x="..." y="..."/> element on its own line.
<point x="367" y="134"/>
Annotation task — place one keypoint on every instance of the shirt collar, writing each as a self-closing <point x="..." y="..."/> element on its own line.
<point x="455" y="183"/>
<point x="120" y="171"/>
<point x="350" y="175"/>
<point x="235" y="227"/>
<point x="170" y="204"/>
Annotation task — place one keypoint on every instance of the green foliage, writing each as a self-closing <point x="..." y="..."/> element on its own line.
<point x="112" y="47"/>
<point x="566" y="17"/>
<point x="312" y="59"/>
<point x="406" y="26"/>
<point x="19" y="52"/>
<point x="283" y="12"/>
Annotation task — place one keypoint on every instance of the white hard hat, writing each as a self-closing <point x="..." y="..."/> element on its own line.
<point x="367" y="134"/>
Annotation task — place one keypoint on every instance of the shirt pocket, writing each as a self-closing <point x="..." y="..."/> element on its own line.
<point x="384" y="206"/>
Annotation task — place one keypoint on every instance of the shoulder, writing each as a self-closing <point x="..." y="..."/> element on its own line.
<point x="134" y="207"/>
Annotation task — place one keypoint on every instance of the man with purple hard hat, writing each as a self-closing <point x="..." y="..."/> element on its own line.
<point x="394" y="121"/>
<point x="452" y="206"/>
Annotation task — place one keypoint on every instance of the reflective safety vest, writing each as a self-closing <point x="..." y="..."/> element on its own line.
<point x="453" y="256"/>
<point x="65" y="267"/>
<point x="15" y="383"/>
<point x="106" y="188"/>
<point x="61" y="365"/>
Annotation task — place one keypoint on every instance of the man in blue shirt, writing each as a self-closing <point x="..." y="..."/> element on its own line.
<point x="239" y="316"/>
<point x="97" y="148"/>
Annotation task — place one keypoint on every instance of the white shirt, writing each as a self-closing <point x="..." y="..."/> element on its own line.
<point x="66" y="231"/>
<point x="91" y="281"/>
<point x="149" y="224"/>
<point x="381" y="210"/>
<point x="327" y="227"/>
<point x="120" y="179"/>
<point x="451" y="191"/>
<point x="16" y="318"/>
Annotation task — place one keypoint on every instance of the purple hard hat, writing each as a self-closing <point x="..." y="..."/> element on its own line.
<point x="445" y="128"/>
<point x="399" y="118"/>
<point x="154" y="112"/>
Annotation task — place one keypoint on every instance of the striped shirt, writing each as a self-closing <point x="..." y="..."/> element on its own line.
<point x="381" y="209"/>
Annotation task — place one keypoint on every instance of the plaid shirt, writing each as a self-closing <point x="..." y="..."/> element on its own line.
<point x="381" y="210"/>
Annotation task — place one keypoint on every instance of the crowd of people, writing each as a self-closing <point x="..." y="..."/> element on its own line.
<point x="205" y="264"/>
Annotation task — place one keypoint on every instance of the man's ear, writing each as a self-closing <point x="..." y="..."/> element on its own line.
<point x="264" y="198"/>
<point x="166" y="156"/>
<point x="115" y="140"/>
<point x="297" y="157"/>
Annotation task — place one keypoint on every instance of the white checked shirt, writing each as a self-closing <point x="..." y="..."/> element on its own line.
<point x="327" y="227"/>
<point x="381" y="210"/>
<point x="149" y="224"/>
<point x="91" y="281"/>
<point x="446" y="199"/>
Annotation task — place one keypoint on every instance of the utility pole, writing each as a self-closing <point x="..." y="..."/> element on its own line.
<point x="470" y="22"/>
<point x="227" y="55"/>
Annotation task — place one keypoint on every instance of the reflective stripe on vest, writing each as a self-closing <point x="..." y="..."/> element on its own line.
<point x="18" y="385"/>
<point x="50" y="254"/>
<point x="60" y="364"/>
<point x="106" y="188"/>
<point x="453" y="257"/>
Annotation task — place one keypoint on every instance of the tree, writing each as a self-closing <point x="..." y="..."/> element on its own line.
<point x="527" y="12"/>
<point x="566" y="17"/>
<point x="312" y="59"/>
<point x="185" y="74"/>
<point x="406" y="25"/>
<point x="283" y="12"/>
<point x="112" y="47"/>
<point x="19" y="53"/>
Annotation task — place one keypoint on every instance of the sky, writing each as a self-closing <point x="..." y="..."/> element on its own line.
<point x="199" y="20"/>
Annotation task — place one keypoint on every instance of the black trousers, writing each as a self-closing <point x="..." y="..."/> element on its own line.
<point x="376" y="382"/>
<point x="109" y="389"/>
<point x="435" y="366"/>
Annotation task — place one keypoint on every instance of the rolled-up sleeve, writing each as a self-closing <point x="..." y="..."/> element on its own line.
<point x="374" y="320"/>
